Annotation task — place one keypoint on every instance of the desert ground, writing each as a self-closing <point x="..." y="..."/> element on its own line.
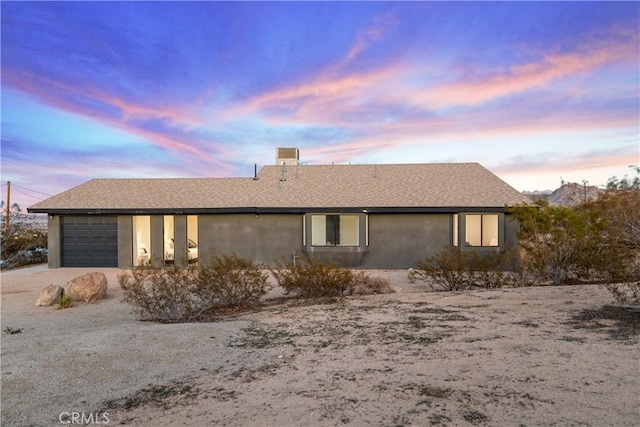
<point x="537" y="356"/>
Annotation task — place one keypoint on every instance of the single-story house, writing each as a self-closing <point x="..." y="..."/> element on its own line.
<point x="363" y="216"/>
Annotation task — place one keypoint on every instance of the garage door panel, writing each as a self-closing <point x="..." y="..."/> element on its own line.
<point x="89" y="241"/>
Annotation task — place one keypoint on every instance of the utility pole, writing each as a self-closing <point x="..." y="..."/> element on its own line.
<point x="584" y="184"/>
<point x="6" y="221"/>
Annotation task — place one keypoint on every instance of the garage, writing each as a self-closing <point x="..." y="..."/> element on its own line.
<point x="89" y="241"/>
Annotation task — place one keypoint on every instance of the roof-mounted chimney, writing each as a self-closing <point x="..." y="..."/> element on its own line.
<point x="287" y="156"/>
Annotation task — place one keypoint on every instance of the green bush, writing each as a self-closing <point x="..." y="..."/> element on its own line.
<point x="65" y="301"/>
<point x="184" y="295"/>
<point x="558" y="241"/>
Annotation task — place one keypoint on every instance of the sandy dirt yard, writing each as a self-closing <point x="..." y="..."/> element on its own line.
<point x="514" y="357"/>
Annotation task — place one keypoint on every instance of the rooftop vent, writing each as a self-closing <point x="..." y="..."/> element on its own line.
<point x="287" y="156"/>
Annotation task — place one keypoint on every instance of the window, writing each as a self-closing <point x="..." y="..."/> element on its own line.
<point x="192" y="239"/>
<point x="141" y="240"/>
<point x="454" y="227"/>
<point x="169" y="240"/>
<point x="481" y="230"/>
<point x="335" y="230"/>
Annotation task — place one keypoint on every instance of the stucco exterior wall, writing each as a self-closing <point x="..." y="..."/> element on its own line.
<point x="54" y="241"/>
<point x="395" y="240"/>
<point x="125" y="241"/>
<point x="399" y="240"/>
<point x="261" y="238"/>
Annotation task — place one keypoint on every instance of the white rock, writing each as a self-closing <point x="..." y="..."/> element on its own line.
<point x="49" y="295"/>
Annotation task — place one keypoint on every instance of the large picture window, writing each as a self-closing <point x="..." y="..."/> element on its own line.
<point x="141" y="240"/>
<point x="481" y="230"/>
<point x="335" y="230"/>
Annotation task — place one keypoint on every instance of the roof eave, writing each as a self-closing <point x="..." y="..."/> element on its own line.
<point x="267" y="210"/>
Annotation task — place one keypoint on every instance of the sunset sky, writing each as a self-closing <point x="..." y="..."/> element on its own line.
<point x="534" y="91"/>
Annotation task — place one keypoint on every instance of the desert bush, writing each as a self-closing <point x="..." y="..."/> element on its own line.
<point x="516" y="269"/>
<point x="618" y="208"/>
<point x="233" y="281"/>
<point x="594" y="241"/>
<point x="455" y="270"/>
<point x="448" y="270"/>
<point x="165" y="295"/>
<point x="366" y="284"/>
<point x="626" y="292"/>
<point x="488" y="271"/>
<point x="185" y="295"/>
<point x="307" y="279"/>
<point x="558" y="241"/>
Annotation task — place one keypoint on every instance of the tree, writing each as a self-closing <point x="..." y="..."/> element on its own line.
<point x="596" y="240"/>
<point x="618" y="212"/>
<point x="554" y="238"/>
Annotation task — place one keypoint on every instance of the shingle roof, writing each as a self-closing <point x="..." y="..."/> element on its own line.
<point x="436" y="185"/>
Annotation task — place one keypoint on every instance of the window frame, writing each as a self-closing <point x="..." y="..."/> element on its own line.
<point x="460" y="230"/>
<point x="141" y="241"/>
<point x="361" y="231"/>
<point x="193" y="222"/>
<point x="168" y="240"/>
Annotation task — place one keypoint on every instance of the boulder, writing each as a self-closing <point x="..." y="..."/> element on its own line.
<point x="89" y="287"/>
<point x="49" y="295"/>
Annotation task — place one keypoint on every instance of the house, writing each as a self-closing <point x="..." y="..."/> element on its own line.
<point x="366" y="216"/>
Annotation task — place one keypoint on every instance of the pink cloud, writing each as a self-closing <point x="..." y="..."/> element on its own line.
<point x="533" y="75"/>
<point x="49" y="91"/>
<point x="347" y="151"/>
<point x="315" y="100"/>
<point x="545" y="173"/>
<point x="335" y="99"/>
<point x="465" y="127"/>
<point x="331" y="88"/>
<point x="365" y="38"/>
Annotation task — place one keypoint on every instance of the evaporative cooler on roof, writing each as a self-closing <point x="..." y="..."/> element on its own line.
<point x="287" y="156"/>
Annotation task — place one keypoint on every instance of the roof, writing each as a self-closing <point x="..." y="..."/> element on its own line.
<point x="388" y="187"/>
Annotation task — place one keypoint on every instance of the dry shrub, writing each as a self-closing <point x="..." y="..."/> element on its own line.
<point x="626" y="292"/>
<point x="448" y="270"/>
<point x="456" y="270"/>
<point x="315" y="280"/>
<point x="235" y="282"/>
<point x="164" y="295"/>
<point x="183" y="295"/>
<point x="366" y="285"/>
<point x="307" y="279"/>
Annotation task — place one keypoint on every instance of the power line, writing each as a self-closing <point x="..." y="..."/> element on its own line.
<point x="29" y="189"/>
<point x="33" y="191"/>
<point x="28" y="195"/>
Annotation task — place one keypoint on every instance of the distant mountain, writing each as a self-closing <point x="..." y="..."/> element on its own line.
<point x="538" y="194"/>
<point x="569" y="194"/>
